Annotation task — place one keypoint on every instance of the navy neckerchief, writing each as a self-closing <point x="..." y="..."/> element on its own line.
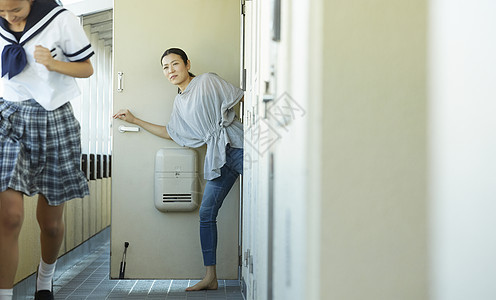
<point x="13" y="55"/>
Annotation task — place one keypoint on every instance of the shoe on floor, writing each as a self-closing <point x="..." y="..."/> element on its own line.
<point x="43" y="295"/>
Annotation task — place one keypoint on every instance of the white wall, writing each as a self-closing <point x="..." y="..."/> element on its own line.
<point x="463" y="149"/>
<point x="289" y="115"/>
<point x="84" y="7"/>
<point x="255" y="189"/>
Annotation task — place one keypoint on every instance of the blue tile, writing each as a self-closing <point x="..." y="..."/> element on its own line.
<point x="91" y="280"/>
<point x="209" y="297"/>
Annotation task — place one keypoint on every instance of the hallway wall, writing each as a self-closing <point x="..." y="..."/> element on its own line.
<point x="83" y="219"/>
<point x="374" y="141"/>
<point x="350" y="157"/>
<point x="166" y="245"/>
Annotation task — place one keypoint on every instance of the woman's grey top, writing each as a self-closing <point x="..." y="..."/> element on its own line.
<point x="203" y="114"/>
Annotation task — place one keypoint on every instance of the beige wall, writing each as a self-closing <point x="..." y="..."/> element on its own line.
<point x="373" y="230"/>
<point x="166" y="245"/>
<point x="76" y="213"/>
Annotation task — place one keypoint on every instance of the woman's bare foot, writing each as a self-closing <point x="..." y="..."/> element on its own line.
<point x="207" y="283"/>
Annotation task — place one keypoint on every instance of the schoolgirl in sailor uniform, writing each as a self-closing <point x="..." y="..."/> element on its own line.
<point x="43" y="48"/>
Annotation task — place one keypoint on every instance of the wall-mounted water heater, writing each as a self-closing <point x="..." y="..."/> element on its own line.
<point x="177" y="186"/>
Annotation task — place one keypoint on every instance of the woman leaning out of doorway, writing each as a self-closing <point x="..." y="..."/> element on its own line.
<point x="203" y="114"/>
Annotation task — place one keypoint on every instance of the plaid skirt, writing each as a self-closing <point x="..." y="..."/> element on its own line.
<point x="40" y="151"/>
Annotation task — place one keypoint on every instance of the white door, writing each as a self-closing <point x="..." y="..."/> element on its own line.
<point x="251" y="162"/>
<point x="165" y="245"/>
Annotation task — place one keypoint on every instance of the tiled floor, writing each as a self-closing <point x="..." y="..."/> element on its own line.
<point x="89" y="279"/>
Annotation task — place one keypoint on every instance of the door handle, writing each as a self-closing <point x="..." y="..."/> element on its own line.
<point x="120" y="88"/>
<point x="267" y="97"/>
<point x="123" y="129"/>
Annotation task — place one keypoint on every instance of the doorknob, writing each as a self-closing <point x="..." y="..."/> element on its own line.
<point x="123" y="129"/>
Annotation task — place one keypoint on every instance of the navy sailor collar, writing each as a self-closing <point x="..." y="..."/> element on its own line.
<point x="13" y="55"/>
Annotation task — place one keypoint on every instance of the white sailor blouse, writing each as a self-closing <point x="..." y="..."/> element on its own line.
<point x="52" y="27"/>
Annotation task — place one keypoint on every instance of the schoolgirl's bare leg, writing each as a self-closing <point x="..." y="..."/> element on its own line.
<point x="209" y="282"/>
<point x="11" y="218"/>
<point x="52" y="229"/>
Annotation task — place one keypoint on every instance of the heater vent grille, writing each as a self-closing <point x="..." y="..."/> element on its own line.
<point x="171" y="198"/>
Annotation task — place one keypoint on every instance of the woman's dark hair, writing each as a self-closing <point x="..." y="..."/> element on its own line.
<point x="179" y="52"/>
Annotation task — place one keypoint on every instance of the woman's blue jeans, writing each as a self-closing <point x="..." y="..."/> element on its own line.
<point x="213" y="197"/>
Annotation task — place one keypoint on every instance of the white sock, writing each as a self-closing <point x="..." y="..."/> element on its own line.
<point x="45" y="275"/>
<point x="6" y="294"/>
